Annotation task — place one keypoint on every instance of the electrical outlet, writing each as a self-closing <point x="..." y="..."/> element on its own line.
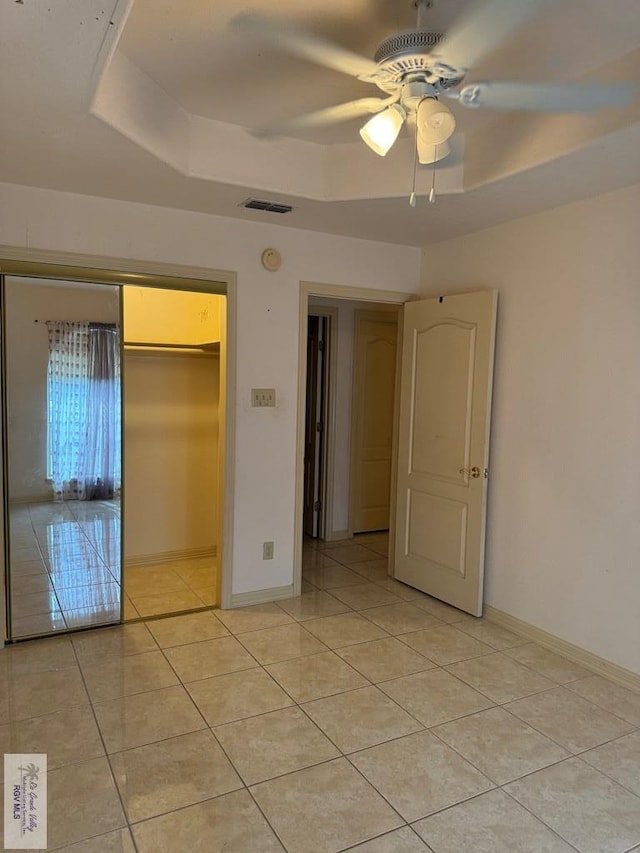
<point x="263" y="397"/>
<point x="267" y="550"/>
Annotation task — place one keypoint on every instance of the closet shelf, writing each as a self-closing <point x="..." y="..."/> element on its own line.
<point x="208" y="348"/>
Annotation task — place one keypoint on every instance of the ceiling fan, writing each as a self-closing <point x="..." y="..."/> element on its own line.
<point x="417" y="69"/>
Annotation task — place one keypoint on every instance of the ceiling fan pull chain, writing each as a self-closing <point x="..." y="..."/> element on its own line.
<point x="412" y="197"/>
<point x="432" y="191"/>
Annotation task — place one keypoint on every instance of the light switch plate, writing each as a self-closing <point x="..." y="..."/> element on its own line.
<point x="263" y="397"/>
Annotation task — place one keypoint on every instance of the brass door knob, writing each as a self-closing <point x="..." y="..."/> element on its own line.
<point x="475" y="473"/>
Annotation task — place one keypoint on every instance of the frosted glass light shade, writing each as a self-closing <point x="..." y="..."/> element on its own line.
<point x="436" y="122"/>
<point x="430" y="153"/>
<point x="381" y="131"/>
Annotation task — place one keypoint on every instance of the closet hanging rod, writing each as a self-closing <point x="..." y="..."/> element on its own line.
<point x="208" y="346"/>
<point x="112" y="327"/>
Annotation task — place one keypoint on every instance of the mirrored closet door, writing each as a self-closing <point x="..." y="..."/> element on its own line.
<point x="111" y="452"/>
<point x="63" y="472"/>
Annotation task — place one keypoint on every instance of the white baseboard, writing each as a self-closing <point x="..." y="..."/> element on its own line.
<point x="261" y="596"/>
<point x="337" y="535"/>
<point x="169" y="556"/>
<point x="41" y="498"/>
<point x="576" y="654"/>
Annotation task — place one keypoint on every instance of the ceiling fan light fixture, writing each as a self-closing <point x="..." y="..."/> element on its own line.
<point x="430" y="153"/>
<point x="436" y="122"/>
<point x="381" y="131"/>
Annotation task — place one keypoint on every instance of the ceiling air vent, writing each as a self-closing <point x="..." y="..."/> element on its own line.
<point x="269" y="206"/>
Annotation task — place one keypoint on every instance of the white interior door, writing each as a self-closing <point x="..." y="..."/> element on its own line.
<point x="443" y="447"/>
<point x="374" y="379"/>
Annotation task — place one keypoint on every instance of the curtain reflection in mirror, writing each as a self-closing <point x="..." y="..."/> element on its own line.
<point x="84" y="410"/>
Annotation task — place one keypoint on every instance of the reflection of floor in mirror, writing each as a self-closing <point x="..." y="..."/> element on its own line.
<point x="65" y="560"/>
<point x="65" y="571"/>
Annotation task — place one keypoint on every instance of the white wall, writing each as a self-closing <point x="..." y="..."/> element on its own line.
<point x="563" y="547"/>
<point x="29" y="301"/>
<point x="171" y="453"/>
<point x="267" y="339"/>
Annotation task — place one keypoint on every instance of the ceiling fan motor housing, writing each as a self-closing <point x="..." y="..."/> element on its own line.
<point x="409" y="52"/>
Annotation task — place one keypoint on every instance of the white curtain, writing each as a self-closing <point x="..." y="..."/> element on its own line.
<point x="84" y="411"/>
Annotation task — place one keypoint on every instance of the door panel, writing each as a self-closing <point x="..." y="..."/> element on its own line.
<point x="445" y="402"/>
<point x="62" y="406"/>
<point x="437" y="531"/>
<point x="376" y="336"/>
<point x="444" y="355"/>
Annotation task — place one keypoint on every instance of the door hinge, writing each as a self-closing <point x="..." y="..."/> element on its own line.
<point x="319" y="426"/>
<point x="321" y="346"/>
<point x="317" y="506"/>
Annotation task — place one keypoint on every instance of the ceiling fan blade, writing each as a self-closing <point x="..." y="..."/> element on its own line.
<point x="329" y="115"/>
<point x="485" y="26"/>
<point x="546" y="97"/>
<point x="306" y="45"/>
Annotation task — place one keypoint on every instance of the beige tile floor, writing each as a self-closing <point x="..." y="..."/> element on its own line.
<point x="65" y="571"/>
<point x="313" y="727"/>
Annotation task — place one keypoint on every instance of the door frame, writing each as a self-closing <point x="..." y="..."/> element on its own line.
<point x="329" y="400"/>
<point x="37" y="263"/>
<point x="335" y="291"/>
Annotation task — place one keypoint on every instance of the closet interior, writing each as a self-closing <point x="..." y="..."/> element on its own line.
<point x="171" y="368"/>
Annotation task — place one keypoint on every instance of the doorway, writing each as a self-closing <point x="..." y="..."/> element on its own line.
<point x="443" y="411"/>
<point x="63" y="554"/>
<point x="342" y="303"/>
<point x="349" y="407"/>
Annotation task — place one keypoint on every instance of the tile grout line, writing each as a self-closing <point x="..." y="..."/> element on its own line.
<point x="484" y="772"/>
<point x="553" y="740"/>
<point x="598" y="704"/>
<point x="537" y="817"/>
<point x="606" y="775"/>
<point x="106" y="754"/>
